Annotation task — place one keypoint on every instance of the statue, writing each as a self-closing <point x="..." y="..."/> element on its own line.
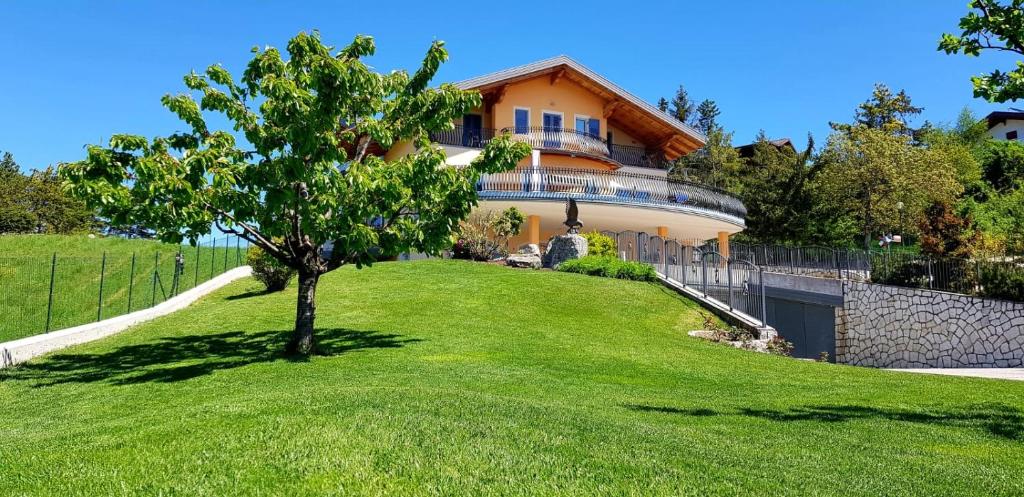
<point x="572" y="217"/>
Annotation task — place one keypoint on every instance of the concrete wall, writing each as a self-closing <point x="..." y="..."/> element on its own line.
<point x="887" y="326"/>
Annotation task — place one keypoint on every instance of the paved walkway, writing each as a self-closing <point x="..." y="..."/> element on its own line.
<point x="1016" y="374"/>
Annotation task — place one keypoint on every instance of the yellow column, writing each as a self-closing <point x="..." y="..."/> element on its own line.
<point x="663" y="231"/>
<point x="723" y="244"/>
<point x="533" y="229"/>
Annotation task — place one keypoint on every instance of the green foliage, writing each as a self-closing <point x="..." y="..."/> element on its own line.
<point x="269" y="271"/>
<point x="600" y="245"/>
<point x="1002" y="281"/>
<point x="484" y="235"/>
<point x="884" y="111"/>
<point x="707" y="116"/>
<point x="880" y="180"/>
<point x="610" y="267"/>
<point x="305" y="177"/>
<point x="682" y="106"/>
<point x="717" y="161"/>
<point x="1000" y="217"/>
<point x="37" y="202"/>
<point x="991" y="25"/>
<point x="1002" y="163"/>
<point x="774" y="190"/>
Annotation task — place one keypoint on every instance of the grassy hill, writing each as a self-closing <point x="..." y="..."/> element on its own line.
<point x="25" y="265"/>
<point x="452" y="378"/>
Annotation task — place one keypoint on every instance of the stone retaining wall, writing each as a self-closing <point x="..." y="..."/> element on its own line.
<point x="888" y="326"/>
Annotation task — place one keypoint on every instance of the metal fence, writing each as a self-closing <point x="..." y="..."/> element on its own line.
<point x="982" y="276"/>
<point x="734" y="283"/>
<point x="39" y="294"/>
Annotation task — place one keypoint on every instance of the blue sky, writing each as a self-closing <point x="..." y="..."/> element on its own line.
<point x="75" y="72"/>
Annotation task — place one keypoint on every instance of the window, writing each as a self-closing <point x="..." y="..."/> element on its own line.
<point x="594" y="127"/>
<point x="581" y="125"/>
<point x="1011" y="135"/>
<point x="522" y="119"/>
<point x="472" y="130"/>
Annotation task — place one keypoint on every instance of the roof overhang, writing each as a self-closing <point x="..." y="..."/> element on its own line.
<point x="1001" y="116"/>
<point x="622" y="108"/>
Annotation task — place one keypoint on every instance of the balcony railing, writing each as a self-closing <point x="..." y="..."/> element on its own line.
<point x="561" y="139"/>
<point x="612" y="187"/>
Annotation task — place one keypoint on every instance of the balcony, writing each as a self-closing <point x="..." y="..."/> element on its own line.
<point x="562" y="140"/>
<point x="612" y="187"/>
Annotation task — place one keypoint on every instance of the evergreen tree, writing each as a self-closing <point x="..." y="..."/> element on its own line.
<point x="663" y="104"/>
<point x="885" y="111"/>
<point x="707" y="115"/>
<point x="774" y="190"/>
<point x="682" y="106"/>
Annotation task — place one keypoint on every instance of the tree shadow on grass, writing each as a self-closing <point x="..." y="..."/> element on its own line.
<point x="1000" y="420"/>
<point x="171" y="359"/>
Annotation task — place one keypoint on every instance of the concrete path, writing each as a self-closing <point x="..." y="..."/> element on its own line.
<point x="1016" y="374"/>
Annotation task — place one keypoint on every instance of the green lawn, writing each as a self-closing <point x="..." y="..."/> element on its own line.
<point x="454" y="378"/>
<point x="25" y="266"/>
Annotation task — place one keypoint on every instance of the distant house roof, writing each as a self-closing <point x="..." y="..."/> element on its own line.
<point x="748" y="149"/>
<point x="1001" y="116"/>
<point x="658" y="126"/>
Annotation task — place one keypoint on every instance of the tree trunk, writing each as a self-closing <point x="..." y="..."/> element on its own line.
<point x="302" y="341"/>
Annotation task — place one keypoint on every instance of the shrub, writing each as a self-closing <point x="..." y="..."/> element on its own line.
<point x="1001" y="281"/>
<point x="610" y="267"/>
<point x="268" y="270"/>
<point x="484" y="236"/>
<point x="779" y="346"/>
<point x="600" y="244"/>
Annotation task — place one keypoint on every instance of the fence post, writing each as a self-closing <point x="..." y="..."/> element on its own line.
<point x="227" y="241"/>
<point x="764" y="305"/>
<point x="131" y="283"/>
<point x="930" y="277"/>
<point x="238" y="251"/>
<point x="213" y="257"/>
<point x="196" y="282"/>
<point x="156" y="267"/>
<point x="103" y="274"/>
<point x="704" y="273"/>
<point x="728" y="279"/>
<point x="835" y="260"/>
<point x="49" y="300"/>
<point x="684" y="263"/>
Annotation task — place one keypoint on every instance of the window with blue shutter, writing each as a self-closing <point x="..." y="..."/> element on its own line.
<point x="594" y="127"/>
<point x="522" y="120"/>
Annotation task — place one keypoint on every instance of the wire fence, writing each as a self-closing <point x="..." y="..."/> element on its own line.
<point x="39" y="294"/>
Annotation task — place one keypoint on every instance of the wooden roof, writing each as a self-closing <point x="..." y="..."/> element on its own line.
<point x="622" y="109"/>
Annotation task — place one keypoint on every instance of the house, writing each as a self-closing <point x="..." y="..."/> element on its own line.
<point x="747" y="151"/>
<point x="1006" y="125"/>
<point x="594" y="142"/>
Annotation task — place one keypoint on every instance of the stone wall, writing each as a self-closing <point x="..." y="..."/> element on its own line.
<point x="888" y="326"/>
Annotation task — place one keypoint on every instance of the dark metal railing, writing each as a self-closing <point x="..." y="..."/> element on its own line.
<point x="561" y="139"/>
<point x="615" y="186"/>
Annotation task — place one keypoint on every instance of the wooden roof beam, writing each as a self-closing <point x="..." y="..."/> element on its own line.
<point x="557" y="76"/>
<point x="610" y="107"/>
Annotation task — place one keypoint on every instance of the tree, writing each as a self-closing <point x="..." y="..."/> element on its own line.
<point x="663" y="104"/>
<point x="774" y="190"/>
<point x="717" y="163"/>
<point x="879" y="179"/>
<point x="991" y="26"/>
<point x="682" y="107"/>
<point x="305" y="188"/>
<point x="707" y="116"/>
<point x="945" y="233"/>
<point x="37" y="202"/>
<point x="885" y="111"/>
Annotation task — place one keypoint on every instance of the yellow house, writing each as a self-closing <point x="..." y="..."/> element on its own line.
<point x="594" y="142"/>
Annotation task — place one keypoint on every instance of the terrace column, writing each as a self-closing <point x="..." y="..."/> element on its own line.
<point x="723" y="245"/>
<point x="533" y="229"/>
<point x="663" y="231"/>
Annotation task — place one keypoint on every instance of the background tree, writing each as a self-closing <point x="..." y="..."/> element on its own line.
<point x="991" y="25"/>
<point x="682" y="106"/>
<point x="885" y="111"/>
<point x="304" y="189"/>
<point x="663" y="104"/>
<point x="774" y="190"/>
<point x="707" y="116"/>
<point x="717" y="162"/>
<point x="37" y="202"/>
<point x="868" y="173"/>
<point x="946" y="233"/>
